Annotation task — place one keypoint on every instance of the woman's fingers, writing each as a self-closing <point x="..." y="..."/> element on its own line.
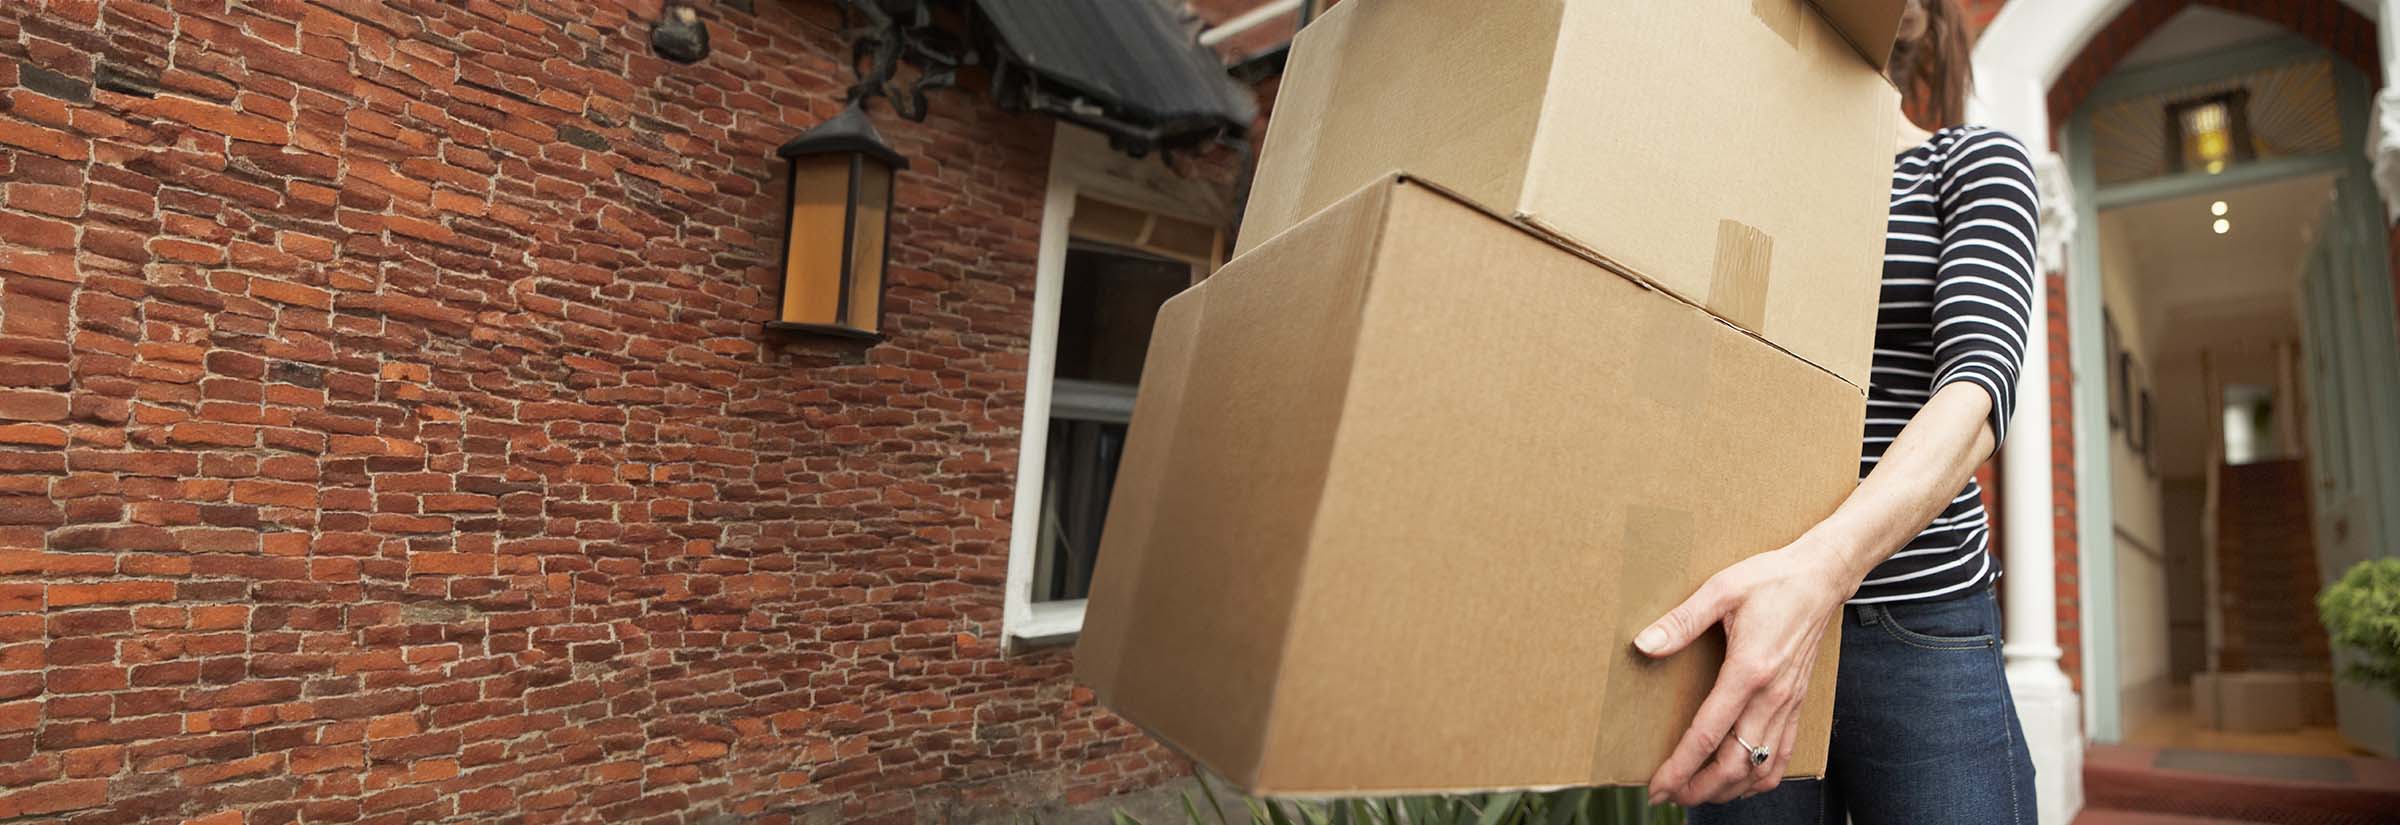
<point x="1784" y="734"/>
<point x="1737" y="682"/>
<point x="1761" y="725"/>
<point x="1787" y="730"/>
<point x="1676" y="630"/>
<point x="1725" y="777"/>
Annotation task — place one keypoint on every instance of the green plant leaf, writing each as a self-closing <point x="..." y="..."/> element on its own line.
<point x="1123" y="818"/>
<point x="1498" y="808"/>
<point x="1564" y="805"/>
<point x="1200" y="775"/>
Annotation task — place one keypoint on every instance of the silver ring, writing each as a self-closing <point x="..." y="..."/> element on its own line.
<point x="1758" y="755"/>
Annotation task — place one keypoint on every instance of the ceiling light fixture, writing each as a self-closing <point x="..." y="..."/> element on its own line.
<point x="2217" y="209"/>
<point x="2222" y="226"/>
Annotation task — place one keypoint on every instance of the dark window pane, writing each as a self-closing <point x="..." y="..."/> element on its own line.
<point x="1082" y="469"/>
<point x="1106" y="310"/>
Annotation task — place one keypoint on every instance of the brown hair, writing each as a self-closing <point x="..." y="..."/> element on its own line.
<point x="1936" y="69"/>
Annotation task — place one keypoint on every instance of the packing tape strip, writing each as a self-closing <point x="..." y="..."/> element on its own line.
<point x="1783" y="17"/>
<point x="1737" y="288"/>
<point x="1675" y="366"/>
<point x="1656" y="541"/>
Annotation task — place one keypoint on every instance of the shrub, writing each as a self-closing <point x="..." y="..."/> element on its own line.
<point x="2362" y="612"/>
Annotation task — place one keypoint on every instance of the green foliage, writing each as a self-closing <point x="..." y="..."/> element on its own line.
<point x="1580" y="806"/>
<point x="2362" y="612"/>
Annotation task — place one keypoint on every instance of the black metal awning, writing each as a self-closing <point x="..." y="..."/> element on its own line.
<point x="1127" y="68"/>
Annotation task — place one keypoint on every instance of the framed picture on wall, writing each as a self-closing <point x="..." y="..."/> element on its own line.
<point x="2114" y="350"/>
<point x="2149" y="434"/>
<point x="2135" y="392"/>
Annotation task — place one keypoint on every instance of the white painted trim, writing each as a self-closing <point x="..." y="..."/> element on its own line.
<point x="1023" y="620"/>
<point x="1249" y="20"/>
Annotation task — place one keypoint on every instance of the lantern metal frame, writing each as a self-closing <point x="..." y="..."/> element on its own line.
<point x="850" y="133"/>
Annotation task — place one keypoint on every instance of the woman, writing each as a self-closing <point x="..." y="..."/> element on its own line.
<point x="1924" y="731"/>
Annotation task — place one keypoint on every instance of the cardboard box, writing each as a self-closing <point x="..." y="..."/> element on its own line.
<point x="1736" y="152"/>
<point x="2259" y="702"/>
<point x="2316" y="699"/>
<point x="2204" y="700"/>
<point x="1403" y="483"/>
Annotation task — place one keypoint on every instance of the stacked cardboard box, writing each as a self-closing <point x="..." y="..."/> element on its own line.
<point x="2262" y="701"/>
<point x="1544" y="311"/>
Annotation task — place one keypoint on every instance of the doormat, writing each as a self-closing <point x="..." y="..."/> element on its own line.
<point x="2263" y="766"/>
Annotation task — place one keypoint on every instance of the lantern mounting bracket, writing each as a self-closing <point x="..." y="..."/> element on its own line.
<point x="895" y="31"/>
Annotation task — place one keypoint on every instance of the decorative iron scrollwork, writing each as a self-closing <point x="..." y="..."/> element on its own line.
<point x="893" y="32"/>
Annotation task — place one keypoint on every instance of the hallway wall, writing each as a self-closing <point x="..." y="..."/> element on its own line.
<point x="2138" y="540"/>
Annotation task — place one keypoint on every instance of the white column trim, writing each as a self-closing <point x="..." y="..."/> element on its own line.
<point x="2383" y="141"/>
<point x="2014" y="65"/>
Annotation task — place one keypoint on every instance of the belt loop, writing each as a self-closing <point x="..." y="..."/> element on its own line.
<point x="1867" y="614"/>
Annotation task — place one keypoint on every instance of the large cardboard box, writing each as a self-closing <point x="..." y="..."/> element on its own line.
<point x="2260" y="702"/>
<point x="1403" y="483"/>
<point x="1736" y="152"/>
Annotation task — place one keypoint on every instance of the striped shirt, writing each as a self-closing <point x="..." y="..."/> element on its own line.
<point x="1958" y="268"/>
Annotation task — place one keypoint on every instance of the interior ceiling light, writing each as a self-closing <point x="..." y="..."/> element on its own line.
<point x="2210" y="133"/>
<point x="2217" y="209"/>
<point x="2222" y="226"/>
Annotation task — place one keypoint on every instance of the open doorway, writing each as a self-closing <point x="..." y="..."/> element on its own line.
<point x="2215" y="559"/>
<point x="2225" y="394"/>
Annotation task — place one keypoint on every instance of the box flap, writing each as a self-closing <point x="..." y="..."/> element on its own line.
<point x="1869" y="25"/>
<point x="1374" y="86"/>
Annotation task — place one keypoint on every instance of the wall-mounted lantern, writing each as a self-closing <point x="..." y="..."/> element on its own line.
<point x="837" y="227"/>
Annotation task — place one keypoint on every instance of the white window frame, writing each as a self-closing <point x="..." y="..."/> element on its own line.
<point x="1080" y="164"/>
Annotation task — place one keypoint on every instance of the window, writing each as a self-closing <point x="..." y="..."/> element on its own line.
<point x="1107" y="264"/>
<point x="1105" y="313"/>
<point x="2249" y="423"/>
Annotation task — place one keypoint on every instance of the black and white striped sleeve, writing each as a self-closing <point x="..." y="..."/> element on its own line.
<point x="1983" y="288"/>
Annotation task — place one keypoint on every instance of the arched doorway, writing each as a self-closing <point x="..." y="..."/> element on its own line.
<point x="2037" y="63"/>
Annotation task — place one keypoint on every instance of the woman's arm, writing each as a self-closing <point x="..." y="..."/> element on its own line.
<point x="1921" y="470"/>
<point x="1775" y="606"/>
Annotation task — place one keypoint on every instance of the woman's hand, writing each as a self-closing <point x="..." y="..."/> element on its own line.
<point x="1775" y="607"/>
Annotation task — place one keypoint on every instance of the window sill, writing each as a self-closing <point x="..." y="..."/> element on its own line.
<point x="824" y="331"/>
<point x="1047" y="624"/>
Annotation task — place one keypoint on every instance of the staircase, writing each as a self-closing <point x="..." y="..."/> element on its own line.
<point x="2267" y="569"/>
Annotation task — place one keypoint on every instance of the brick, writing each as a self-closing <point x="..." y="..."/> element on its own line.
<point x="37" y="435"/>
<point x="291" y="293"/>
<point x="215" y="117"/>
<point x="57" y="797"/>
<point x="71" y="595"/>
<point x="31" y="405"/>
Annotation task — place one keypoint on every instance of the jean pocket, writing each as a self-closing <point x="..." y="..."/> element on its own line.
<point x="1956" y="624"/>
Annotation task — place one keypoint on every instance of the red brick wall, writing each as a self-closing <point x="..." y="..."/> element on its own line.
<point x="2067" y="556"/>
<point x="390" y="435"/>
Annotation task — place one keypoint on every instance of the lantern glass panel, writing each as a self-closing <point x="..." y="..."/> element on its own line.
<point x="868" y="245"/>
<point x="812" y="274"/>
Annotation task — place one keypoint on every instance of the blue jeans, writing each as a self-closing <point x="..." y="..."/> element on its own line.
<point x="1924" y="731"/>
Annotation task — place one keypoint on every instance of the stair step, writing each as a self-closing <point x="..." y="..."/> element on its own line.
<point x="2125" y="784"/>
